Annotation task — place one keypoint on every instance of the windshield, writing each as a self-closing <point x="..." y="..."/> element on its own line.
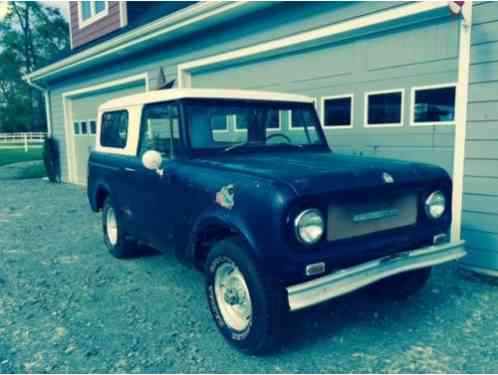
<point x="227" y="125"/>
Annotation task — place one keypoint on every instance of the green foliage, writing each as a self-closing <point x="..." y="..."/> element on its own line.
<point x="31" y="35"/>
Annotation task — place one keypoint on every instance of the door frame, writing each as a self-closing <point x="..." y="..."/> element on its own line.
<point x="67" y="104"/>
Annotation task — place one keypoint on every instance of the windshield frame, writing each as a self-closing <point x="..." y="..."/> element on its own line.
<point x="252" y="148"/>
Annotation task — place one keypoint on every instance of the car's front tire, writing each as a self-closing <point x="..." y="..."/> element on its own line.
<point x="401" y="285"/>
<point x="248" y="307"/>
<point x="119" y="244"/>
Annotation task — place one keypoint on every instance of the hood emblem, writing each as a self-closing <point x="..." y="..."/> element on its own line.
<point x="388" y="179"/>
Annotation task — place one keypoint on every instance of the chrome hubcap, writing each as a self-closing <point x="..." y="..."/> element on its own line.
<point x="232" y="296"/>
<point x="111" y="226"/>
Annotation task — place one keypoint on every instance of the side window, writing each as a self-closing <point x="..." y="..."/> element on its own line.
<point x="160" y="129"/>
<point x="114" y="131"/>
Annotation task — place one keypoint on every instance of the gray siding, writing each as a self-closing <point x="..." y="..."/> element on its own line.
<point x="480" y="201"/>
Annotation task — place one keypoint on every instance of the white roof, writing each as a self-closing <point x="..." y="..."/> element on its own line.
<point x="173" y="94"/>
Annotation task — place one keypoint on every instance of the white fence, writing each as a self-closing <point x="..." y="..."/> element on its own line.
<point x="22" y="139"/>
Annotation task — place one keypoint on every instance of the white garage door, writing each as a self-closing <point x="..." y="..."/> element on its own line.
<point x="371" y="89"/>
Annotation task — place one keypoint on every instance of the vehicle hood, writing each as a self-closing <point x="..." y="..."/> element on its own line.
<point x="310" y="172"/>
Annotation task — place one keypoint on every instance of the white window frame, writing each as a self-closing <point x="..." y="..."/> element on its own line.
<point x="387" y="125"/>
<point x="94" y="15"/>
<point x="428" y="87"/>
<point x="322" y="111"/>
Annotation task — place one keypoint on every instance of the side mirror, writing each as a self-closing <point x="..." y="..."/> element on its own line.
<point x="153" y="160"/>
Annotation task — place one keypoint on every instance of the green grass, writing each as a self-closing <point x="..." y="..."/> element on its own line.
<point x="15" y="155"/>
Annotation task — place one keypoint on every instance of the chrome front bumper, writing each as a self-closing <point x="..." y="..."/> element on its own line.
<point x="349" y="279"/>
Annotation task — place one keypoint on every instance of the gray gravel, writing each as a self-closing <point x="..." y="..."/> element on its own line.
<point x="67" y="306"/>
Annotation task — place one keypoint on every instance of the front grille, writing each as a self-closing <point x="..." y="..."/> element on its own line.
<point x="374" y="214"/>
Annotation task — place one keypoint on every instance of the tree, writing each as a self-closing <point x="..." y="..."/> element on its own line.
<point x="31" y="35"/>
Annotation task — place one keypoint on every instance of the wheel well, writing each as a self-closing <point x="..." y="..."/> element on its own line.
<point x="100" y="197"/>
<point x="205" y="240"/>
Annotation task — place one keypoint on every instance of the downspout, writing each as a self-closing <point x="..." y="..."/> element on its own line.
<point x="461" y="119"/>
<point x="46" y="95"/>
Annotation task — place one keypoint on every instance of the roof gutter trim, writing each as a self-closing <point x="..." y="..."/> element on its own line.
<point x="171" y="23"/>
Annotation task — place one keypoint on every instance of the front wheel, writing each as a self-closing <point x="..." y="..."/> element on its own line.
<point x="248" y="308"/>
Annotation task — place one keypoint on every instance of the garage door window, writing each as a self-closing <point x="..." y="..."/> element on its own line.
<point x="433" y="105"/>
<point x="384" y="108"/>
<point x="84" y="128"/>
<point x="76" y="128"/>
<point x="93" y="127"/>
<point x="114" y="130"/>
<point x="337" y="111"/>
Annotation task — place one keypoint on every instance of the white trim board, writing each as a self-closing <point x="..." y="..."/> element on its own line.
<point x="68" y="115"/>
<point x="461" y="118"/>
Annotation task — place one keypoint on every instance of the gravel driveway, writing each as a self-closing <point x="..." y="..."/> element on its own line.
<point x="68" y="306"/>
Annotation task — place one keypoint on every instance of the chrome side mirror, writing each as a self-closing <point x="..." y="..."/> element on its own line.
<point x="153" y="161"/>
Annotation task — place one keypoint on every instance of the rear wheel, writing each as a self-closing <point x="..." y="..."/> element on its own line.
<point x="117" y="241"/>
<point x="401" y="285"/>
<point x="248" y="307"/>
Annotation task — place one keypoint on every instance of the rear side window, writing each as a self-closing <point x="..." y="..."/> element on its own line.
<point x="114" y="130"/>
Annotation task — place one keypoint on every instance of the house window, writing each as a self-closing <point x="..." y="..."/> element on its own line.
<point x="91" y="11"/>
<point x="432" y="105"/>
<point x="114" y="132"/>
<point x="337" y="111"/>
<point x="384" y="108"/>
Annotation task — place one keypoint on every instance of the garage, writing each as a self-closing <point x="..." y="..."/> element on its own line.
<point x="83" y="107"/>
<point x="372" y="102"/>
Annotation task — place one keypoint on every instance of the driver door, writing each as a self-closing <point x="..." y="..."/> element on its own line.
<point x="157" y="203"/>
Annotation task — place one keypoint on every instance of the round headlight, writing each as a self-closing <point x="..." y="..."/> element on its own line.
<point x="309" y="226"/>
<point x="435" y="205"/>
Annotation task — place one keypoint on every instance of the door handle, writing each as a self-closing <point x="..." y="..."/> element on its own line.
<point x="129" y="170"/>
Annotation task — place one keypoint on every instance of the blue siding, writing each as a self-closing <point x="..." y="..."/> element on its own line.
<point x="480" y="201"/>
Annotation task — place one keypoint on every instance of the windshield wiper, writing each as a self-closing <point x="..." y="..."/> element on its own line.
<point x="237" y="145"/>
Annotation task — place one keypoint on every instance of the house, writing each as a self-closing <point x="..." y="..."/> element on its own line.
<point x="414" y="81"/>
